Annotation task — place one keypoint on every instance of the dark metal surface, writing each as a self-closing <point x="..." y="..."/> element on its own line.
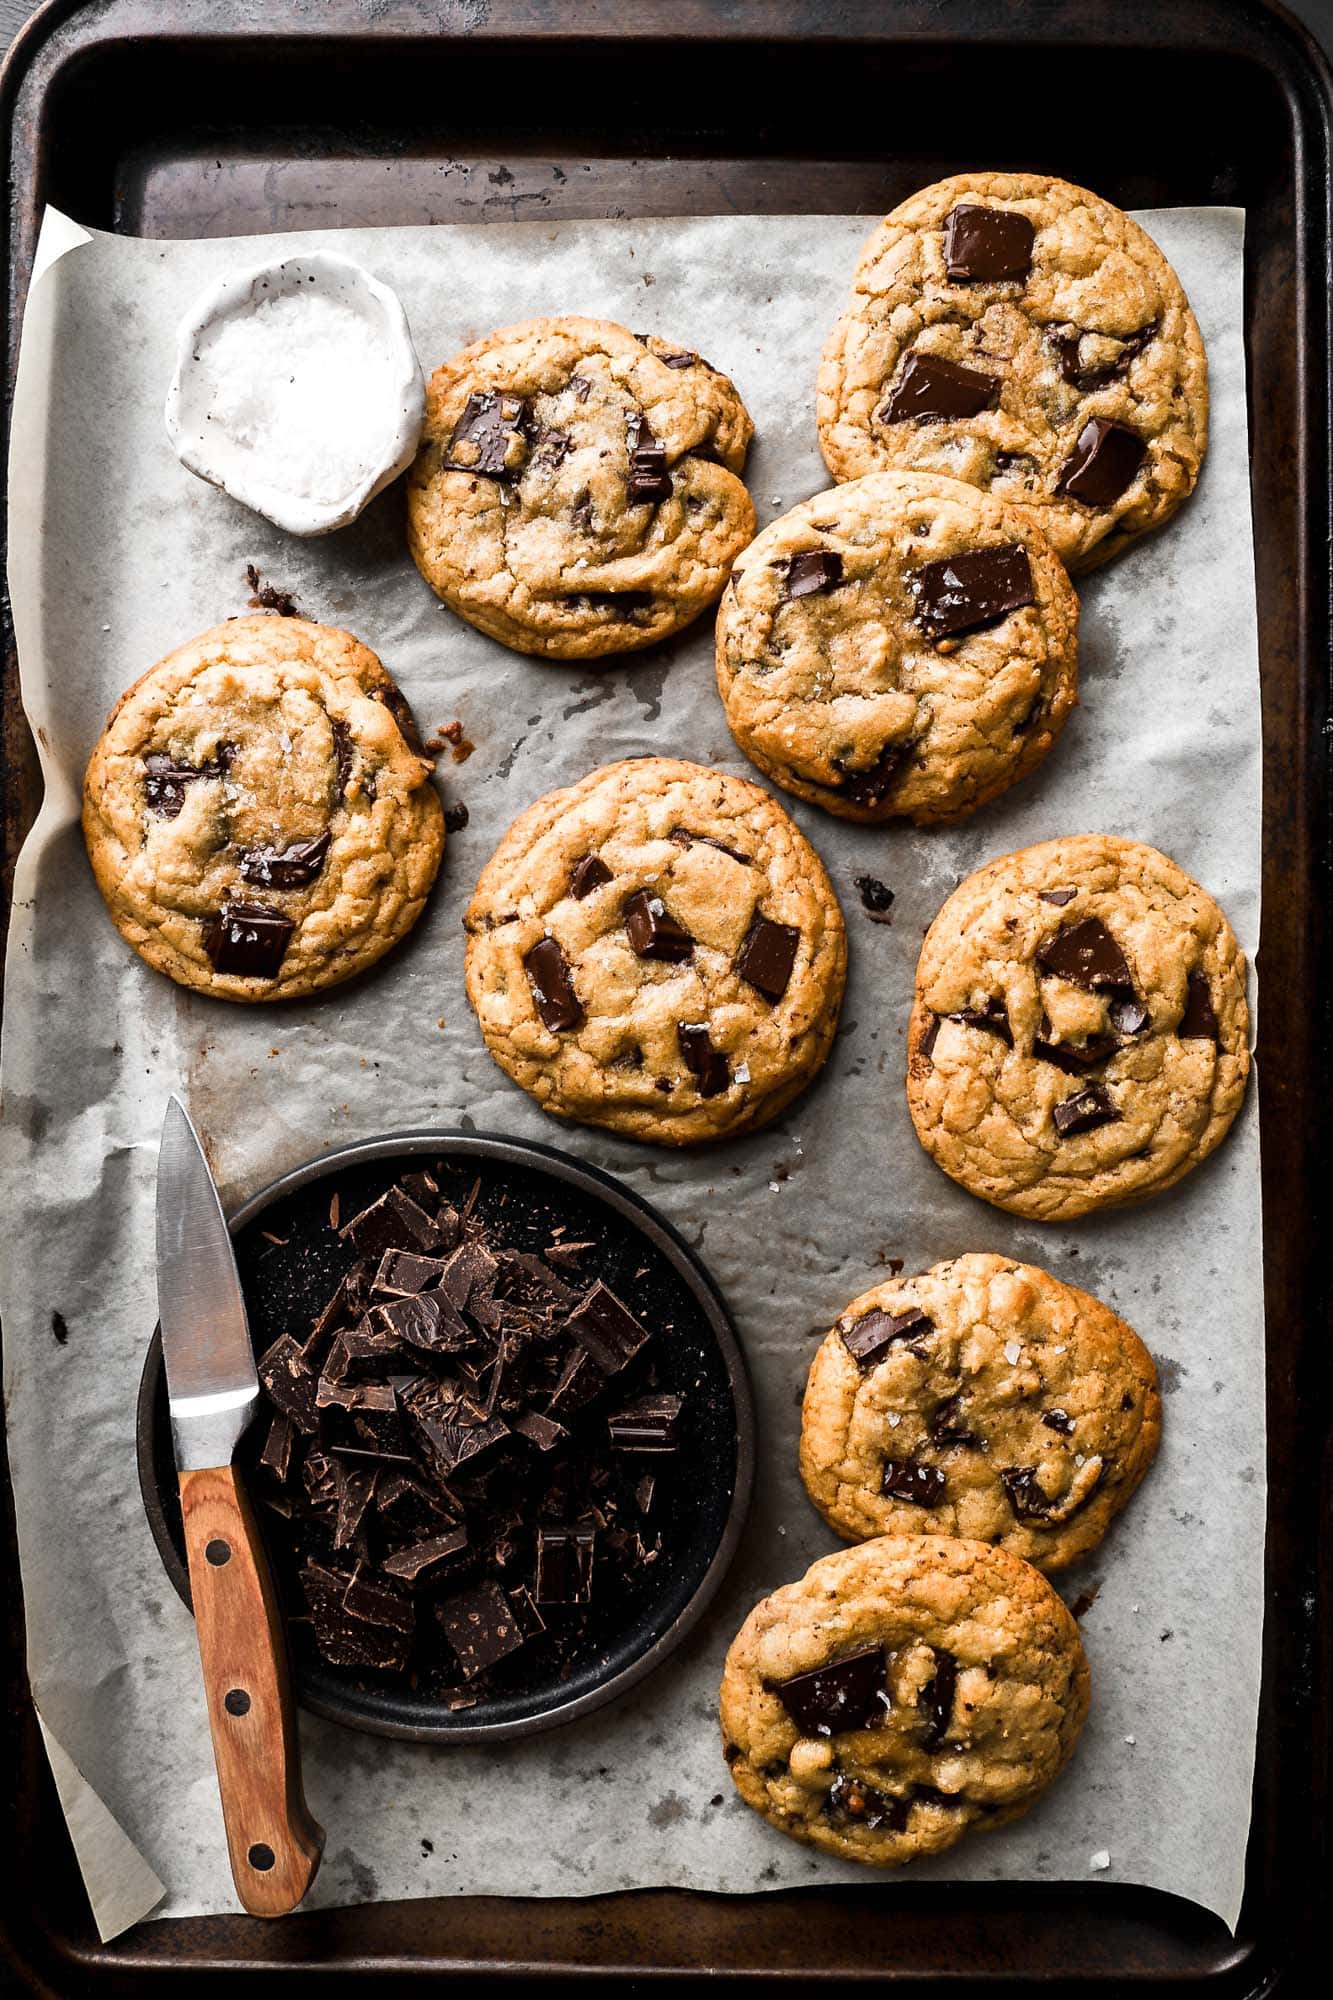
<point x="227" y="116"/>
<point x="721" y="1475"/>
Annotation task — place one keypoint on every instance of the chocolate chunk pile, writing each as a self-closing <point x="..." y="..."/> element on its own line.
<point x="467" y="1448"/>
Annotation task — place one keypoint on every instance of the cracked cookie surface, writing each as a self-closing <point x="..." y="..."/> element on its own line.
<point x="902" y="1694"/>
<point x="1080" y="1034"/>
<point x="899" y="646"/>
<point x="657" y="949"/>
<point x="983" y="1399"/>
<point x="1024" y="335"/>
<point x="257" y="813"/>
<point x="578" y="488"/>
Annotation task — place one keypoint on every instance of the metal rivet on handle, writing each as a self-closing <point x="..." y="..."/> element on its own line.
<point x="218" y="1552"/>
<point x="261" y="1857"/>
<point x="236" y="1701"/>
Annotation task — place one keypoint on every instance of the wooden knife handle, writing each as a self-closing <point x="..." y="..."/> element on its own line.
<point x="274" y="1843"/>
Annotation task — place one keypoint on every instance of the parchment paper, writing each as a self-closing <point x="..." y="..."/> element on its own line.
<point x="117" y="555"/>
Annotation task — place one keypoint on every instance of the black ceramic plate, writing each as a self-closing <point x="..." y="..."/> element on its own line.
<point x="290" y="1260"/>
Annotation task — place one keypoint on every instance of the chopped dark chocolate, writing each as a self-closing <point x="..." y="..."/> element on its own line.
<point x="405" y="1271"/>
<point x="1084" y="1111"/>
<point x="936" y="1699"/>
<point x="651" y="1424"/>
<point x="766" y="958"/>
<point x="539" y="1430"/>
<point x="292" y="867"/>
<point x="607" y="1329"/>
<point x="394" y="1222"/>
<point x="851" y="1693"/>
<point x="553" y="989"/>
<point x="985" y="244"/>
<point x="1198" y="1023"/>
<point x="422" y="1319"/>
<point x="652" y="930"/>
<point x="811" y="573"/>
<point x="565" y="1564"/>
<point x="907" y="1479"/>
<point x="290" y="1383"/>
<point x="1103" y="463"/>
<point x="356" y="1484"/>
<point x="165" y="780"/>
<point x="1057" y="896"/>
<point x="446" y="1432"/>
<point x="869" y="1339"/>
<point x="962" y="593"/>
<point x="589" y="874"/>
<point x="247" y="940"/>
<point x="876" y="898"/>
<point x="422" y="1560"/>
<point x="490" y="436"/>
<point x="929" y="387"/>
<point x="276" y="1456"/>
<point x="707" y="1065"/>
<point x="1087" y="955"/>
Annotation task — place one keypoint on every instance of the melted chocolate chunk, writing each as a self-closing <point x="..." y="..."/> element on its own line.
<point x="1198" y="1023"/>
<point x="947" y="1424"/>
<point x="648" y="475"/>
<point x="653" y="931"/>
<point x="651" y="1424"/>
<point x="905" y="1479"/>
<point x="925" y="1048"/>
<point x="983" y="244"/>
<point x="490" y="436"/>
<point x="707" y="1065"/>
<point x="1067" y="342"/>
<point x="871" y="786"/>
<point x="1076" y="1058"/>
<point x="963" y="593"/>
<point x="936" y="1699"/>
<point x="1057" y="896"/>
<point x="553" y="989"/>
<point x="871" y="1337"/>
<point x="1059" y="1420"/>
<point x="1025" y="1495"/>
<point x="292" y="867"/>
<point x="851" y="1799"/>
<point x="588" y="874"/>
<point x="930" y="387"/>
<point x="851" y="1693"/>
<point x="1102" y="464"/>
<point x="342" y="754"/>
<point x="682" y="837"/>
<point x="812" y="573"/>
<point x="1128" y="1014"/>
<point x="992" y="1019"/>
<point x="165" y="780"/>
<point x="564" y="1565"/>
<point x="607" y="1329"/>
<point x="1084" y="1112"/>
<point x="766" y="958"/>
<point x="1086" y="955"/>
<point x="482" y="1627"/>
<point x="247" y="940"/>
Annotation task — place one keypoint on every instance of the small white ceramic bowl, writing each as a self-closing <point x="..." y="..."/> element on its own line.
<point x="246" y="471"/>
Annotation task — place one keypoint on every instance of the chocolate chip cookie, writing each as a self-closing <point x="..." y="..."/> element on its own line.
<point x="1024" y="335"/>
<point x="983" y="1398"/>
<point x="900" y="1694"/>
<point x="659" y="950"/>
<point x="578" y="487"/>
<point x="900" y="646"/>
<point x="258" y="812"/>
<point x="1080" y="1036"/>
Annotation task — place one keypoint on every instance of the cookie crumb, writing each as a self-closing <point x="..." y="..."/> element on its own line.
<point x="876" y="898"/>
<point x="268" y="596"/>
<point x="455" y="817"/>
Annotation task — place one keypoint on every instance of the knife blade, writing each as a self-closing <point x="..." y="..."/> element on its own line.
<point x="212" y="1387"/>
<point x="273" y="1842"/>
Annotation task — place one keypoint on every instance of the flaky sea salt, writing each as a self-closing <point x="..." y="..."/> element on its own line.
<point x="1101" y="1859"/>
<point x="302" y="380"/>
<point x="1013" y="1353"/>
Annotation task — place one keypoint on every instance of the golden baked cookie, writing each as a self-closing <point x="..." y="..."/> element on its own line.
<point x="902" y="646"/>
<point x="1080" y="1036"/>
<point x="657" y="949"/>
<point x="258" y="813"/>
<point x="1024" y="335"/>
<point x="578" y="487"/>
<point x="985" y="1399"/>
<point x="900" y="1695"/>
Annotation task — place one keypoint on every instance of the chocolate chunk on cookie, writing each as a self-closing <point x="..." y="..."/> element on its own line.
<point x="1023" y="335"/>
<point x="694" y="989"/>
<point x="1115" y="969"/>
<point x="1019" y="1411"/>
<point x="258" y="813"/>
<point x="578" y="489"/>
<point x="901" y="646"/>
<point x="901" y="1694"/>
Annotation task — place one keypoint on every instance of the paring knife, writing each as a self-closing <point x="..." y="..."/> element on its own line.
<point x="274" y="1843"/>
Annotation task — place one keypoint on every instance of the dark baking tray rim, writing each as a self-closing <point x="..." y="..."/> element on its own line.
<point x="996" y="1938"/>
